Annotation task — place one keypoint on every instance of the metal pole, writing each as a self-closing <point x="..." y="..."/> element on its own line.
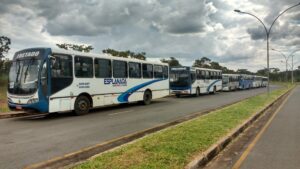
<point x="292" y="69"/>
<point x="268" y="63"/>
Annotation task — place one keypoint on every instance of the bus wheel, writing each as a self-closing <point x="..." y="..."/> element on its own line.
<point x="197" y="92"/>
<point x="147" y="97"/>
<point x="82" y="105"/>
<point x="177" y="95"/>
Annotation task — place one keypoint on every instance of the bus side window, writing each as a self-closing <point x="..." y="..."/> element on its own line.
<point x="198" y="74"/>
<point x="134" y="70"/>
<point x="202" y="74"/>
<point x="147" y="71"/>
<point x="158" y="71"/>
<point x="166" y="72"/>
<point x="61" y="72"/>
<point x="102" y="68"/>
<point x="120" y="69"/>
<point x="83" y="67"/>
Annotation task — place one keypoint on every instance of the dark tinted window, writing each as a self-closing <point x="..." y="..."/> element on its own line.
<point x="120" y="69"/>
<point x="83" y="67"/>
<point x="61" y="66"/>
<point x="207" y="76"/>
<point x="147" y="71"/>
<point x="134" y="70"/>
<point x="103" y="68"/>
<point x="158" y="71"/>
<point x="166" y="72"/>
<point x="61" y="72"/>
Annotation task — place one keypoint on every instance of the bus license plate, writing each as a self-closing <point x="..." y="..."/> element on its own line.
<point x="19" y="107"/>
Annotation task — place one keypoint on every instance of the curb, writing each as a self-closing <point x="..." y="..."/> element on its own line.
<point x="16" y="114"/>
<point x="85" y="153"/>
<point x="203" y="158"/>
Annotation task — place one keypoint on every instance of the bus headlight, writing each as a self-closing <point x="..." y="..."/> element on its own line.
<point x="31" y="101"/>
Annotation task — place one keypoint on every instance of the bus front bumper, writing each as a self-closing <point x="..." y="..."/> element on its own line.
<point x="180" y="92"/>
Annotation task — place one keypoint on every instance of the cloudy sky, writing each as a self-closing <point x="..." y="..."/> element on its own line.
<point x="185" y="29"/>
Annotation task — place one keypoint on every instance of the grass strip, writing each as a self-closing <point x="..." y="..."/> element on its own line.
<point x="176" y="146"/>
<point x="3" y="98"/>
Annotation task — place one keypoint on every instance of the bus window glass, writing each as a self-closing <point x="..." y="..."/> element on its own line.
<point x="134" y="70"/>
<point x="102" y="68"/>
<point x="158" y="71"/>
<point x="147" y="71"/>
<point x="62" y="66"/>
<point x="166" y="72"/>
<point x="83" y="67"/>
<point x="120" y="69"/>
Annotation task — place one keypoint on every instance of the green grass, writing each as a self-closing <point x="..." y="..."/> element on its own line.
<point x="3" y="89"/>
<point x="176" y="146"/>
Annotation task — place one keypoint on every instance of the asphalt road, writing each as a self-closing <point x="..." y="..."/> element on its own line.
<point x="279" y="145"/>
<point x="26" y="141"/>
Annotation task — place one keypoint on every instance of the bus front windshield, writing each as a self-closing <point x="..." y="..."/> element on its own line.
<point x="179" y="78"/>
<point x="23" y="76"/>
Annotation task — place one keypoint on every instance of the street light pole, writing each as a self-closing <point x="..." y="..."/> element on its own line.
<point x="286" y="59"/>
<point x="268" y="31"/>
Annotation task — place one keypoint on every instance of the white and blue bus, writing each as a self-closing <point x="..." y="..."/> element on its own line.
<point x="53" y="80"/>
<point x="194" y="81"/>
<point x="246" y="81"/>
<point x="257" y="82"/>
<point x="230" y="82"/>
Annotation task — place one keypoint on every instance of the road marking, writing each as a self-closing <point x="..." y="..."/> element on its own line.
<point x="121" y="112"/>
<point x="240" y="161"/>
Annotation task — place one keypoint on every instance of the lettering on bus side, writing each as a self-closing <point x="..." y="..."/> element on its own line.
<point x="115" y="82"/>
<point x="84" y="85"/>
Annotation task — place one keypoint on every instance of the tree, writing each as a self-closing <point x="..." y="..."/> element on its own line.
<point x="172" y="62"/>
<point x="125" y="54"/>
<point x="204" y="62"/>
<point x="244" y="71"/>
<point x="80" y="48"/>
<point x="4" y="46"/>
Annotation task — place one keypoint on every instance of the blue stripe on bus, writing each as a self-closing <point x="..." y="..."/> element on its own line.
<point x="208" y="88"/>
<point x="123" y="98"/>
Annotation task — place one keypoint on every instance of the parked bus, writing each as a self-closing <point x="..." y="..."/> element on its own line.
<point x="52" y="80"/>
<point x="194" y="81"/>
<point x="264" y="81"/>
<point x="230" y="82"/>
<point x="246" y="81"/>
<point x="257" y="82"/>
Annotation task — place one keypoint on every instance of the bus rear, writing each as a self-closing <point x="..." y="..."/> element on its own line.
<point x="180" y="80"/>
<point x="27" y="86"/>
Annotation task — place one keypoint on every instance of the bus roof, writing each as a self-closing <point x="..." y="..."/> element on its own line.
<point x="100" y="55"/>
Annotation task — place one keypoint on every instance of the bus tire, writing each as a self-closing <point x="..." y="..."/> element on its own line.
<point x="197" y="92"/>
<point x="147" y="97"/>
<point x="82" y="105"/>
<point x="177" y="95"/>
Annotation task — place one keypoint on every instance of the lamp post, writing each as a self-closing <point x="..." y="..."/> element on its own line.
<point x="286" y="59"/>
<point x="268" y="31"/>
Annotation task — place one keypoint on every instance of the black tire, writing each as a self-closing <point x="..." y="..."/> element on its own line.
<point x="177" y="95"/>
<point x="147" y="97"/>
<point x="197" y="92"/>
<point x="82" y="105"/>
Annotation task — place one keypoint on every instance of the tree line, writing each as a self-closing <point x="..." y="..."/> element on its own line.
<point x="203" y="62"/>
